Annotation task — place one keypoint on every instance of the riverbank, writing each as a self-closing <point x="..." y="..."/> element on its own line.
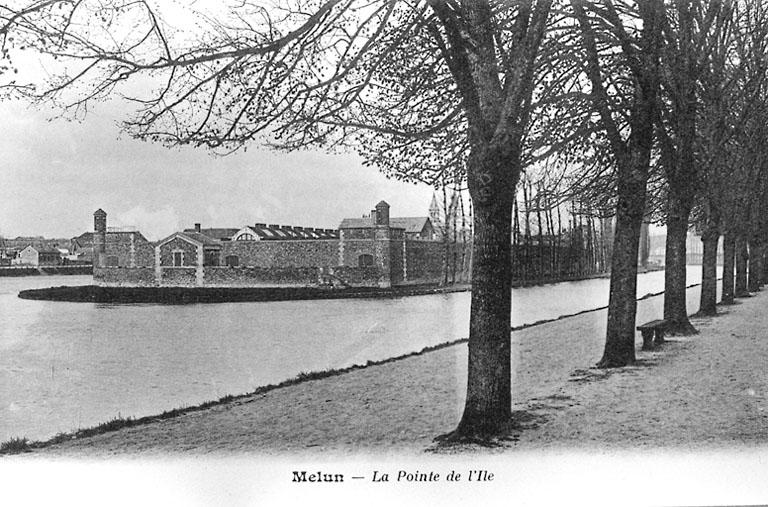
<point x="8" y="271"/>
<point x="399" y="406"/>
<point x="188" y="295"/>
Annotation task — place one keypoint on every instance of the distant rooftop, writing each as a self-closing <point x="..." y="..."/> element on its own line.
<point x="275" y="231"/>
<point x="410" y="224"/>
<point x="219" y="233"/>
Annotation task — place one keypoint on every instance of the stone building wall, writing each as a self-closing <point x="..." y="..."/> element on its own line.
<point x="353" y="249"/>
<point x="359" y="233"/>
<point x="424" y="261"/>
<point x="279" y="254"/>
<point x="117" y="247"/>
<point x="144" y="252"/>
<point x="129" y="249"/>
<point x="396" y="261"/>
<point x="167" y="249"/>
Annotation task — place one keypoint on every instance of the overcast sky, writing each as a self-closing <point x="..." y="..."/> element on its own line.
<point x="55" y="174"/>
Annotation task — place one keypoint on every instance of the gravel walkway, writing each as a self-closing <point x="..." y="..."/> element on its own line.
<point x="702" y="392"/>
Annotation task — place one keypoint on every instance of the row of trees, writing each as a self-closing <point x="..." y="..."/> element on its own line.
<point x="551" y="240"/>
<point x="647" y="108"/>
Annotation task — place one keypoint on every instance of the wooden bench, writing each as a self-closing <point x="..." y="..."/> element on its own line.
<point x="649" y="330"/>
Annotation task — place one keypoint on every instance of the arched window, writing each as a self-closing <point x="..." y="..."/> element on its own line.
<point x="232" y="261"/>
<point x="245" y="237"/>
<point x="365" y="261"/>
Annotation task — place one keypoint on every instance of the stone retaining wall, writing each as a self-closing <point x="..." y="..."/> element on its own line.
<point x="125" y="277"/>
<point x="179" y="277"/>
<point x="359" y="277"/>
<point x="260" y="277"/>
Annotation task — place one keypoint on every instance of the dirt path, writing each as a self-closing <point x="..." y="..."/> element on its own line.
<point x="702" y="392"/>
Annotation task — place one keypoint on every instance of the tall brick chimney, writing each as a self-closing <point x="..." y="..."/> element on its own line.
<point x="99" y="237"/>
<point x="382" y="214"/>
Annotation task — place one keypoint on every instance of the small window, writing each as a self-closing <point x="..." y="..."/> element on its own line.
<point x="112" y="261"/>
<point x="245" y="237"/>
<point x="365" y="261"/>
<point x="211" y="258"/>
<point x="178" y="259"/>
<point x="233" y="261"/>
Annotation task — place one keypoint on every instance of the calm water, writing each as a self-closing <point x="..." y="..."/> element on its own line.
<point x="70" y="365"/>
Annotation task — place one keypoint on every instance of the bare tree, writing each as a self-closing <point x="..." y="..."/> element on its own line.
<point x="690" y="30"/>
<point x="420" y="89"/>
<point x="732" y="76"/>
<point x="622" y="63"/>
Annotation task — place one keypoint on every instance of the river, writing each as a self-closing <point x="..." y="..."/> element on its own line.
<point x="65" y="366"/>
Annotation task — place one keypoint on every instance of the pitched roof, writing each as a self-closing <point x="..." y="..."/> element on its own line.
<point x="356" y="223"/>
<point x="86" y="237"/>
<point x="220" y="233"/>
<point x="192" y="237"/>
<point x="38" y="242"/>
<point x="45" y="250"/>
<point x="410" y="224"/>
<point x="201" y="238"/>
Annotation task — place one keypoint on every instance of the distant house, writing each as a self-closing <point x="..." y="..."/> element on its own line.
<point x="82" y="247"/>
<point x="7" y="255"/>
<point x="35" y="256"/>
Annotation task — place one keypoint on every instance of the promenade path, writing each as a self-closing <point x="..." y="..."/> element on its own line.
<point x="702" y="392"/>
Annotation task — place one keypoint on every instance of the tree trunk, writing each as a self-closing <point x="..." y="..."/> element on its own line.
<point x="765" y="267"/>
<point x="633" y="158"/>
<point x="675" y="310"/>
<point x="622" y="302"/>
<point x="754" y="272"/>
<point x="729" y="253"/>
<point x="708" y="301"/>
<point x="488" y="406"/>
<point x="742" y="255"/>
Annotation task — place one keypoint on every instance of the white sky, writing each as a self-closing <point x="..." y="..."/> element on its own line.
<point x="55" y="174"/>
